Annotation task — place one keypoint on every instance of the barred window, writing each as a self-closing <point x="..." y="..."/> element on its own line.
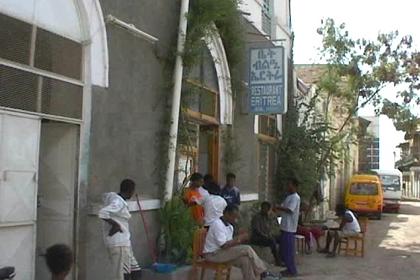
<point x="58" y="54"/>
<point x="40" y="71"/>
<point x="267" y="125"/>
<point x="15" y="39"/>
<point x="31" y="92"/>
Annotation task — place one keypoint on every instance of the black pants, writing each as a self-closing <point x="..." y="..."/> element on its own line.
<point x="273" y="243"/>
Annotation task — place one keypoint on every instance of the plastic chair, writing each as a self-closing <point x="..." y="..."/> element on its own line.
<point x="199" y="263"/>
<point x="360" y="238"/>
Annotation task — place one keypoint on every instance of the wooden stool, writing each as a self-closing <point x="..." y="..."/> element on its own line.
<point x="300" y="244"/>
<point x="200" y="265"/>
<point x="356" y="250"/>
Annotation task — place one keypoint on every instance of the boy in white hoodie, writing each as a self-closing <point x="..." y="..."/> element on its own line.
<point x="117" y="234"/>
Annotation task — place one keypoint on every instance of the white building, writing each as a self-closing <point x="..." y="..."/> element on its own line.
<point x="382" y="152"/>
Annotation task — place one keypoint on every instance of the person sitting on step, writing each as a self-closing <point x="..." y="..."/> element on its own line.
<point x="262" y="231"/>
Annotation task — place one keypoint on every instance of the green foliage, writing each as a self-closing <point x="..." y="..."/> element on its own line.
<point x="356" y="71"/>
<point x="177" y="231"/>
<point x="299" y="153"/>
<point x="403" y="118"/>
<point x="365" y="67"/>
<point x="231" y="151"/>
<point x="222" y="16"/>
<point x="204" y="18"/>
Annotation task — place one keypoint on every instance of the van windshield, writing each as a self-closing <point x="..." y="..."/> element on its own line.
<point x="364" y="189"/>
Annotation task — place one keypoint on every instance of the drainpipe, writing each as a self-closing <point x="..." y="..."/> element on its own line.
<point x="176" y="101"/>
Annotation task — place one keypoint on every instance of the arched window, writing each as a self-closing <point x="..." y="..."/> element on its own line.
<point x="207" y="104"/>
<point x="41" y="57"/>
<point x="201" y="90"/>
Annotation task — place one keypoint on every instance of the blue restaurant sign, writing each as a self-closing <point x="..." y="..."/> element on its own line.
<point x="267" y="81"/>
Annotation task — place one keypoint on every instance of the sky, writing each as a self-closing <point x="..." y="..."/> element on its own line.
<point x="363" y="19"/>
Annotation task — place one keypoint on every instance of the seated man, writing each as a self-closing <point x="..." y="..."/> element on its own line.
<point x="221" y="247"/>
<point x="59" y="260"/>
<point x="349" y="226"/>
<point x="261" y="231"/>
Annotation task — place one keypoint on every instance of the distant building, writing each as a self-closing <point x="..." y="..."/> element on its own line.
<point x="369" y="146"/>
<point x="409" y="164"/>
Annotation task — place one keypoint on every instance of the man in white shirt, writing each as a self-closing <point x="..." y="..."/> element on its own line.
<point x="289" y="222"/>
<point x="117" y="234"/>
<point x="213" y="204"/>
<point x="349" y="226"/>
<point x="221" y="247"/>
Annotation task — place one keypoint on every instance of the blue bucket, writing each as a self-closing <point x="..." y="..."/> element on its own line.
<point x="164" y="267"/>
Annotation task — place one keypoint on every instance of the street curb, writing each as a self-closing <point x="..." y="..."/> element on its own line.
<point x="410" y="199"/>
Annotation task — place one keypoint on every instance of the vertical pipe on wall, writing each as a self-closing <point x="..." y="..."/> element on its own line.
<point x="176" y="101"/>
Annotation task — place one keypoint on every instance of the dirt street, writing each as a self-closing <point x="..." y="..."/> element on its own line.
<point x="392" y="252"/>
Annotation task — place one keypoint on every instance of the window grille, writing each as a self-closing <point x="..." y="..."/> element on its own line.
<point x="15" y="39"/>
<point x="61" y="98"/>
<point x="17" y="89"/>
<point x="58" y="54"/>
<point x="28" y="88"/>
<point x="30" y="92"/>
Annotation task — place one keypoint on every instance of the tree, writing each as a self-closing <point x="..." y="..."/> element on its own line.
<point x="354" y="74"/>
<point x="368" y="66"/>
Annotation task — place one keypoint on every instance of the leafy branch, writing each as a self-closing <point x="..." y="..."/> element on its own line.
<point x="354" y="75"/>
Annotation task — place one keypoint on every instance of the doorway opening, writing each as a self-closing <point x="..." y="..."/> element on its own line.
<point x="57" y="189"/>
<point x="200" y="154"/>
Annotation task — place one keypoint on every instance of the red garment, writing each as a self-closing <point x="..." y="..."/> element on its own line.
<point x="191" y="195"/>
<point x="306" y="231"/>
